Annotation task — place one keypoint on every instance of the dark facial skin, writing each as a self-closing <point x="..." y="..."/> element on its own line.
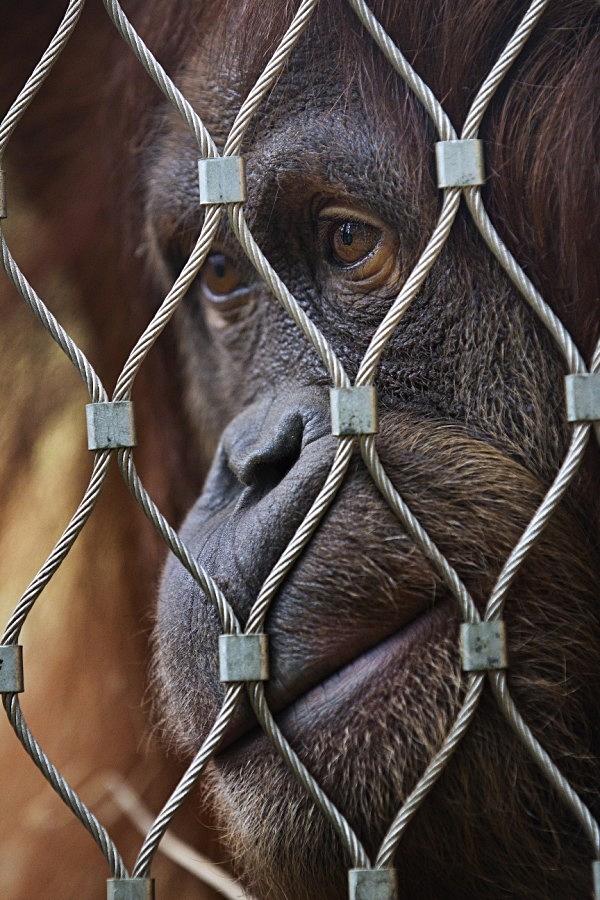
<point x="365" y="677"/>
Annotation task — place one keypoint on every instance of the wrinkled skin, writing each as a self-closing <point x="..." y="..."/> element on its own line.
<point x="365" y="676"/>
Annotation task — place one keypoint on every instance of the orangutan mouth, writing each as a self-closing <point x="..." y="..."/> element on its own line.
<point x="321" y="702"/>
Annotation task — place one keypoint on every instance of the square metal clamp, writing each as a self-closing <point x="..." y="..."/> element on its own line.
<point x="222" y="179"/>
<point x="459" y="163"/>
<point x="373" y="884"/>
<point x="354" y="410"/>
<point x="11" y="669"/>
<point x="243" y="657"/>
<point x="110" y="425"/>
<point x="596" y="871"/>
<point x="583" y="397"/>
<point x="483" y="646"/>
<point x="130" y="889"/>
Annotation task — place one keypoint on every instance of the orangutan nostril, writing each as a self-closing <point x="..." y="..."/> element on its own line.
<point x="266" y="441"/>
<point x="267" y="472"/>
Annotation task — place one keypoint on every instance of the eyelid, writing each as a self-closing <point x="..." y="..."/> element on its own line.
<point x="350" y="214"/>
<point x="223" y="298"/>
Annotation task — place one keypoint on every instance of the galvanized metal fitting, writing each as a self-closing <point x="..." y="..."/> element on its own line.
<point x="583" y="397"/>
<point x="130" y="889"/>
<point x="11" y="669"/>
<point x="222" y="179"/>
<point x="373" y="884"/>
<point x="354" y="410"/>
<point x="483" y="646"/>
<point x="110" y="425"/>
<point x="243" y="657"/>
<point x="3" y="203"/>
<point x="459" y="163"/>
<point x="596" y="871"/>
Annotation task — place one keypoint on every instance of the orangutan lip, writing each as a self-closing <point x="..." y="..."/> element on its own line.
<point x="321" y="700"/>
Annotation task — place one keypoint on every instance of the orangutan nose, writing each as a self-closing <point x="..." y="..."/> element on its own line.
<point x="267" y="440"/>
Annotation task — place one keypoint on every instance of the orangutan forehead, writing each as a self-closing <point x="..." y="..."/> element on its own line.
<point x="452" y="52"/>
<point x="463" y="36"/>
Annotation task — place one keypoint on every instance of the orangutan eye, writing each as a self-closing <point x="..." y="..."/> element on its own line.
<point x="357" y="247"/>
<point x="219" y="276"/>
<point x="225" y="296"/>
<point x="350" y="242"/>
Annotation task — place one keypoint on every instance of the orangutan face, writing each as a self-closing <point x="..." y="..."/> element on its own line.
<point x="365" y="677"/>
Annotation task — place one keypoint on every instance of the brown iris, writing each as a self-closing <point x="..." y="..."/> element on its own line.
<point x="359" y="248"/>
<point x="226" y="297"/>
<point x="350" y="242"/>
<point x="219" y="275"/>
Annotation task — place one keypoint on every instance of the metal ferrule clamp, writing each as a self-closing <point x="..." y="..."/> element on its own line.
<point x="130" y="889"/>
<point x="459" y="163"/>
<point x="583" y="397"/>
<point x="11" y="669"/>
<point x="222" y="179"/>
<point x="243" y="657"/>
<point x="483" y="646"/>
<point x="110" y="425"/>
<point x="354" y="410"/>
<point x="373" y="884"/>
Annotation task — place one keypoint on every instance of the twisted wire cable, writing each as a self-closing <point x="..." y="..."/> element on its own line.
<point x="350" y="840"/>
<point x="11" y="636"/>
<point x="452" y="195"/>
<point x="40" y="72"/>
<point x="285" y="297"/>
<point x="51" y="324"/>
<point x="268" y="77"/>
<point x="433" y="771"/>
<point x="595" y="364"/>
<point x="60" y="551"/>
<point x="431" y="253"/>
<point x="123" y="389"/>
<point x="87" y="504"/>
<point x="341" y="462"/>
<point x="539" y="521"/>
<point x="302" y="536"/>
<point x="494" y="610"/>
<point x="417" y="532"/>
<point x="595" y="367"/>
<point x="130" y="475"/>
<point x="471" y="128"/>
<point x="210" y="746"/>
<point x="239" y="226"/>
<point x="207" y="146"/>
<point x="255" y="624"/>
<point x="431" y="104"/>
<point x="563" y="339"/>
<point x="62" y="788"/>
<point x="548" y="767"/>
<point x="161" y="79"/>
<point x="463" y="720"/>
<point x="577" y="446"/>
<point x="169" y="305"/>
<point x="498" y="72"/>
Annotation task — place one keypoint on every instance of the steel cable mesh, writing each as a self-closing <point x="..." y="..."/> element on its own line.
<point x="474" y="681"/>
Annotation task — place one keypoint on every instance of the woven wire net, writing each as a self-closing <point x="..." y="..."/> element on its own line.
<point x="467" y="190"/>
